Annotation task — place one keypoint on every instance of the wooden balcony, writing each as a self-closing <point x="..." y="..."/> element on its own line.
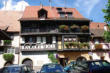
<point x="38" y="47"/>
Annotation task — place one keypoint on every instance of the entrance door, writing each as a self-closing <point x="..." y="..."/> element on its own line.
<point x="63" y="61"/>
<point x="28" y="62"/>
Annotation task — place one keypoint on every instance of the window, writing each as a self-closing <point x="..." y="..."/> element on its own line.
<point x="10" y="50"/>
<point x="42" y="13"/>
<point x="30" y="39"/>
<point x="1" y="51"/>
<point x="59" y="9"/>
<point x="62" y="15"/>
<point x="41" y="40"/>
<point x="69" y="14"/>
<point x="49" y="39"/>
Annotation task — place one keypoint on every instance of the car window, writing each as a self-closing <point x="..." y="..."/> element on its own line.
<point x="52" y="68"/>
<point x="12" y="70"/>
<point x="105" y="63"/>
<point x="98" y="64"/>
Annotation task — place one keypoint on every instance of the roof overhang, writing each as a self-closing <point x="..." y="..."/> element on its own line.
<point x="4" y="36"/>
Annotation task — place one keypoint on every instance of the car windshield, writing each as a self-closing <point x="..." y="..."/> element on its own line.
<point x="100" y="63"/>
<point x="56" y="68"/>
<point x="11" y="70"/>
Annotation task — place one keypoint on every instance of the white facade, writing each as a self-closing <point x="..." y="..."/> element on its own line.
<point x="15" y="41"/>
<point x="98" y="55"/>
<point x="38" y="58"/>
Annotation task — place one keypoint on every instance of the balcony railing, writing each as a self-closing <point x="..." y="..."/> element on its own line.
<point x="75" y="46"/>
<point x="39" y="30"/>
<point x="105" y="46"/>
<point x="38" y="47"/>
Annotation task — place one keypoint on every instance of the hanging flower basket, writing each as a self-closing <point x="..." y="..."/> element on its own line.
<point x="64" y="28"/>
<point x="84" y="28"/>
<point x="74" y="28"/>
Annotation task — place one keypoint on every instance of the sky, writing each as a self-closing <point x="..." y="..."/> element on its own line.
<point x="91" y="9"/>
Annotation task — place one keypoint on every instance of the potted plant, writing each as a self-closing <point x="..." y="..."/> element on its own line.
<point x="98" y="47"/>
<point x="64" y="28"/>
<point x="85" y="45"/>
<point x="84" y="28"/>
<point x="75" y="44"/>
<point x="74" y="28"/>
<point x="67" y="44"/>
<point x="8" y="57"/>
<point x="81" y="45"/>
<point x="7" y="42"/>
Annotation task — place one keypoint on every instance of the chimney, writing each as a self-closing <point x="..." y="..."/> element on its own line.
<point x="41" y="5"/>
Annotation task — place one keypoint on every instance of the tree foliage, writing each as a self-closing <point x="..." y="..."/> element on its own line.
<point x="107" y="13"/>
<point x="107" y="20"/>
<point x="107" y="36"/>
<point x="52" y="57"/>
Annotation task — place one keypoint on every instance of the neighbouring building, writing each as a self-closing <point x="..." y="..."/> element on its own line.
<point x="62" y="31"/>
<point x="100" y="51"/>
<point x="10" y="24"/>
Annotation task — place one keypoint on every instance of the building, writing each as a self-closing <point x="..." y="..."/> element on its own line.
<point x="64" y="32"/>
<point x="97" y="32"/>
<point x="10" y="24"/>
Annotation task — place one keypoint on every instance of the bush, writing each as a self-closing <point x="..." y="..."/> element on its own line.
<point x="84" y="28"/>
<point x="8" y="57"/>
<point x="64" y="27"/>
<point x="98" y="46"/>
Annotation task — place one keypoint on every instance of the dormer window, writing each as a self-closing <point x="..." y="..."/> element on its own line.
<point x="42" y="14"/>
<point x="59" y="9"/>
<point x="62" y="14"/>
<point x="69" y="14"/>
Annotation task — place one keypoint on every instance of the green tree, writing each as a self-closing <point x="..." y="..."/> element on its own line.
<point x="107" y="20"/>
<point x="107" y="36"/>
<point x="107" y="13"/>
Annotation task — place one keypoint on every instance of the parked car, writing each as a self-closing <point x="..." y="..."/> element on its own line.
<point x="68" y="67"/>
<point x="17" y="69"/>
<point x="98" y="66"/>
<point x="52" y="68"/>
